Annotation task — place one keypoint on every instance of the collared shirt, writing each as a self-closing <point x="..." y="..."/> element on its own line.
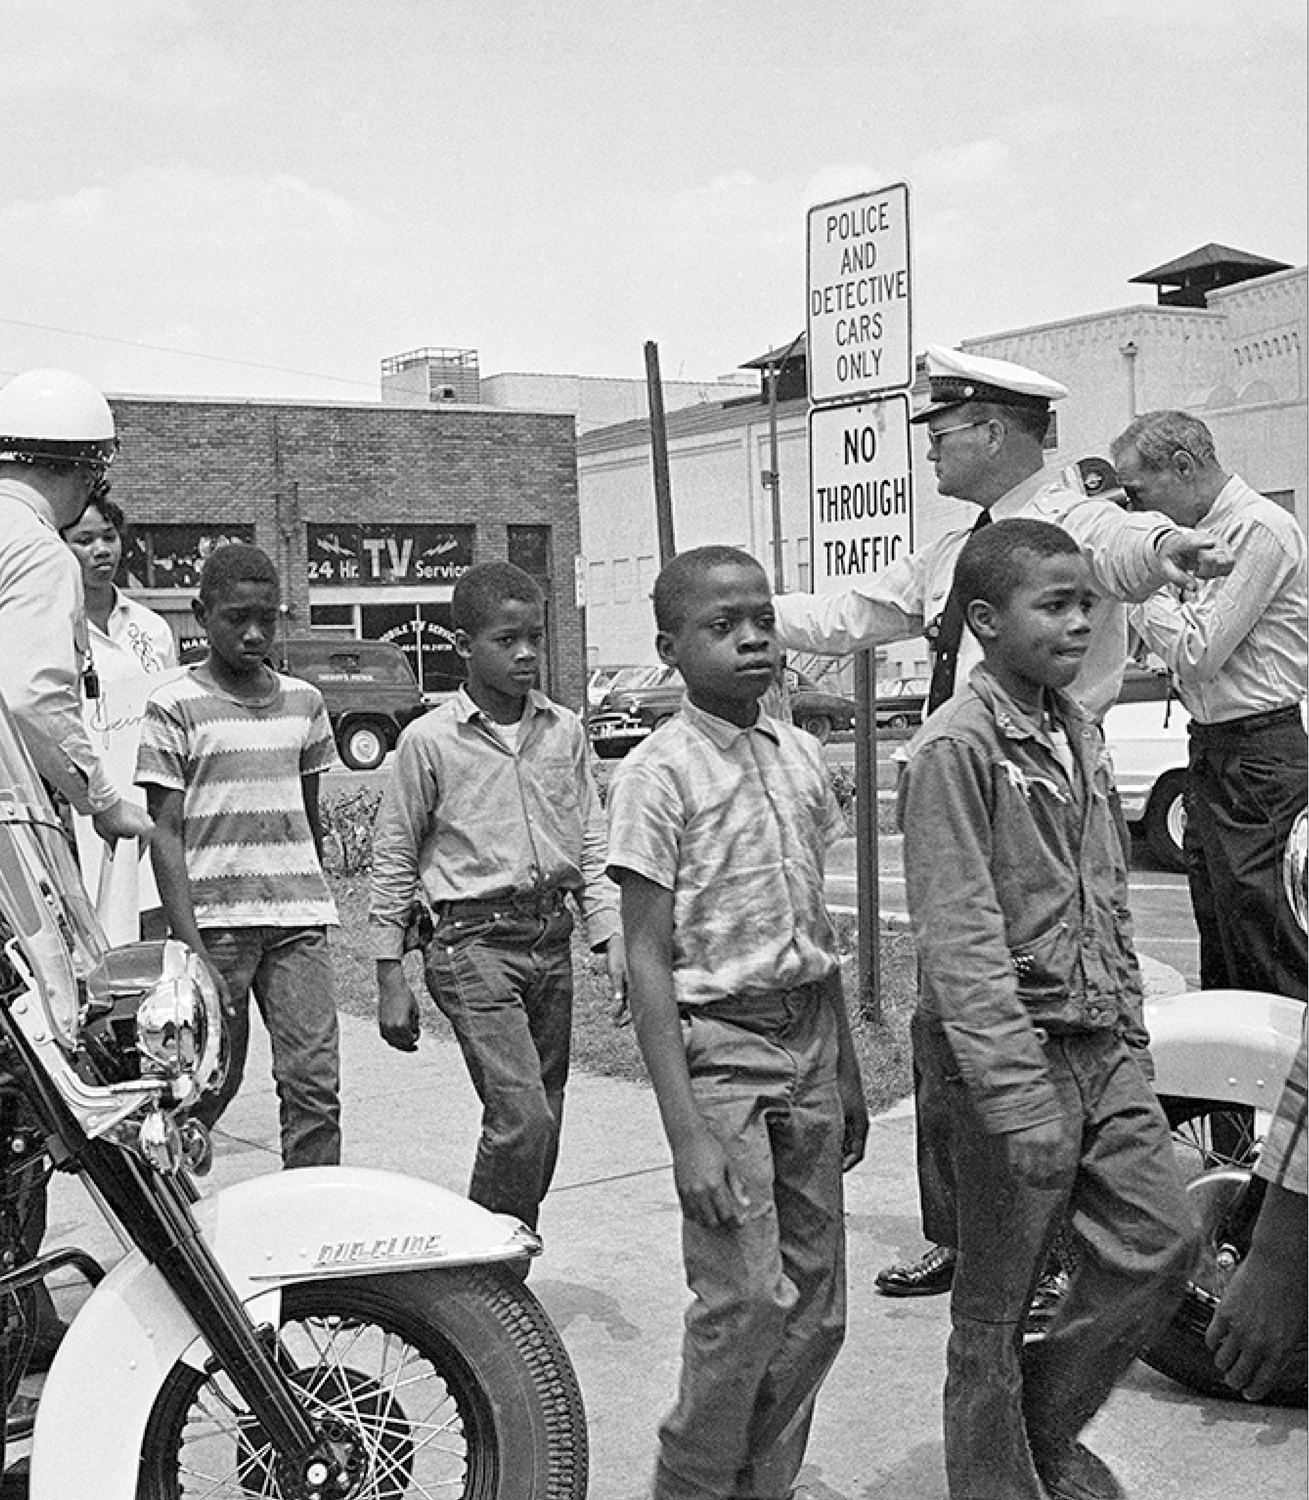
<point x="1240" y="646"/>
<point x="736" y="823"/>
<point x="1017" y="894"/>
<point x="1284" y="1160"/>
<point x="250" y="855"/>
<point x="43" y="647"/>
<point x="1121" y="547"/>
<point x="471" y="819"/>
<point x="138" y="640"/>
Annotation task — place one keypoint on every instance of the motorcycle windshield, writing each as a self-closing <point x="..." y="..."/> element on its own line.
<point x="44" y="907"/>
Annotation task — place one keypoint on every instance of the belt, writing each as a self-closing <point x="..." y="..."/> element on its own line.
<point x="765" y="1014"/>
<point x="512" y="904"/>
<point x="1249" y="724"/>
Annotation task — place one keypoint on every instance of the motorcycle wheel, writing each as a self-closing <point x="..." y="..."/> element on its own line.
<point x="455" y="1382"/>
<point x="1180" y="1352"/>
<point x="1209" y="1133"/>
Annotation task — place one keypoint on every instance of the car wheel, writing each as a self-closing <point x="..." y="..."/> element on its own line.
<point x="819" y="725"/>
<point x="1165" y="821"/>
<point x="363" y="745"/>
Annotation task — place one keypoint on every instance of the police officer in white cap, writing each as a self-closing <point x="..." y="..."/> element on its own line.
<point x="57" y="441"/>
<point x="986" y="420"/>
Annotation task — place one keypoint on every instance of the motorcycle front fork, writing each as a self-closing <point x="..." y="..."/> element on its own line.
<point x="155" y="1211"/>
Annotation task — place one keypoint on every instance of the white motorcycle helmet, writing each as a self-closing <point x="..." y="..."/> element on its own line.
<point x="55" y="418"/>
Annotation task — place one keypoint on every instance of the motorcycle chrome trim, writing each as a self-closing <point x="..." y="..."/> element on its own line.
<point x="1234" y="1046"/>
<point x="265" y="1234"/>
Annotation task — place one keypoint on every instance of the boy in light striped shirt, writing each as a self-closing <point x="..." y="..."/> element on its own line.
<point x="230" y="757"/>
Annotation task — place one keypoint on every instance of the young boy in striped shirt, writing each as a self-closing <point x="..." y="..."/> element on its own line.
<point x="230" y="757"/>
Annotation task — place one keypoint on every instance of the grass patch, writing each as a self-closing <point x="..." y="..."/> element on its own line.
<point x="601" y="1047"/>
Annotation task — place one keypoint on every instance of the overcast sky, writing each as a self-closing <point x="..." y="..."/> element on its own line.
<point x="287" y="191"/>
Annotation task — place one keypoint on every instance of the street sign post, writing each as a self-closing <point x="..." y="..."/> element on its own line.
<point x="859" y="339"/>
<point x="860" y="359"/>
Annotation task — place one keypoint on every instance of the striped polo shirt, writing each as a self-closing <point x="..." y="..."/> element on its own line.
<point x="250" y="856"/>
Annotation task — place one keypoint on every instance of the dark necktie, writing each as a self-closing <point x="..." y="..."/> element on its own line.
<point x="948" y="638"/>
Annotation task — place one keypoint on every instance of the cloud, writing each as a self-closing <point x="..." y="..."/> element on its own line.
<point x="119" y="53"/>
<point x="972" y="165"/>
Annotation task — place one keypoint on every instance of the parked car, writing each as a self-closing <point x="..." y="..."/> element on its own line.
<point x="1145" y="731"/>
<point x="369" y="688"/>
<point x="900" y="704"/>
<point x="640" y="699"/>
<point x="819" y="711"/>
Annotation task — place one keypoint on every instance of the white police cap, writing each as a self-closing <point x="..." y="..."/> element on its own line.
<point x="955" y="377"/>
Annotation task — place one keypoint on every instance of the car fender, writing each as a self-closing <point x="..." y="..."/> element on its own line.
<point x="1235" y="1046"/>
<point x="306" y="1225"/>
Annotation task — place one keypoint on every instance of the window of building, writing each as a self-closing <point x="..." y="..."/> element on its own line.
<point x="647" y="571"/>
<point x="171" y="557"/>
<point x="338" y="616"/>
<point x="802" y="564"/>
<point x="528" y="548"/>
<point x="1051" y="439"/>
<point x="622" y="580"/>
<point x="597" y="584"/>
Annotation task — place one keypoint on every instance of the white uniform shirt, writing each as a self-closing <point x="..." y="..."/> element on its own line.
<point x="1120" y="546"/>
<point x="1240" y="646"/>
<point x="42" y="646"/>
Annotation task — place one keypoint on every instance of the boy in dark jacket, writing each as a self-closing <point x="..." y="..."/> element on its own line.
<point x="1031" y="1040"/>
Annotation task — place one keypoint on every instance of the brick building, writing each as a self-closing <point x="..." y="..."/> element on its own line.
<point x="370" y="511"/>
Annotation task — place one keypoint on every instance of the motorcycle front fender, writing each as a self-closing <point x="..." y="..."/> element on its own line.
<point x="306" y="1225"/>
<point x="1234" y="1046"/>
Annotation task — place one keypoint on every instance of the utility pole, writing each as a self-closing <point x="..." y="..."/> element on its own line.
<point x="772" y="476"/>
<point x="659" y="456"/>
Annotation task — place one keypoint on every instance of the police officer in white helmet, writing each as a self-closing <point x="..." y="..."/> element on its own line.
<point x="57" y="441"/>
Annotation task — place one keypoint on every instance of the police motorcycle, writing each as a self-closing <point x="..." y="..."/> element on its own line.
<point x="1221" y="1058"/>
<point x="322" y="1334"/>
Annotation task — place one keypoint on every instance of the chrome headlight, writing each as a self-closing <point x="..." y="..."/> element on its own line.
<point x="179" y="1023"/>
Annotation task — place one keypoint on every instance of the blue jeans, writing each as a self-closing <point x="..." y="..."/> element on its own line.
<point x="504" y="981"/>
<point x="768" y="1315"/>
<point x="1006" y="1404"/>
<point x="290" y="975"/>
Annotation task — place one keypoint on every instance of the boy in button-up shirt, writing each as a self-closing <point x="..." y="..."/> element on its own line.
<point x="718" y="828"/>
<point x="1030" y="1040"/>
<point x="489" y="820"/>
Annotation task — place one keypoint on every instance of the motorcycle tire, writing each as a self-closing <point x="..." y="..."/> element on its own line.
<point x="1180" y="1351"/>
<point x="455" y="1381"/>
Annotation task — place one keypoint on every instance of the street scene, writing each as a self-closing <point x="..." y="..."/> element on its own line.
<point x="654" y="762"/>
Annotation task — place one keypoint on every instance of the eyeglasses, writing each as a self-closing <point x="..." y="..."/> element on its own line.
<point x="934" y="437"/>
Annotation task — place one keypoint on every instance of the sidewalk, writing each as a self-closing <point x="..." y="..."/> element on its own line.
<point x="611" y="1280"/>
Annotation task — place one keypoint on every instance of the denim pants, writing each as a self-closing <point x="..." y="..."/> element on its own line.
<point x="289" y="972"/>
<point x="768" y="1315"/>
<point x="1245" y="785"/>
<point x="505" y="983"/>
<point x="1136" y="1239"/>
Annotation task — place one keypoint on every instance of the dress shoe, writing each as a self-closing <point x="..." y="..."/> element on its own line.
<point x="1073" y="1472"/>
<point x="928" y="1276"/>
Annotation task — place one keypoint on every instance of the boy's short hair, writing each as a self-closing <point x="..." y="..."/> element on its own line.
<point x="233" y="563"/>
<point x="483" y="589"/>
<point x="991" y="564"/>
<point x="677" y="580"/>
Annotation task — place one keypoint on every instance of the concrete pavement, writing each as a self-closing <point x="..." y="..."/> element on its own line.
<point x="611" y="1279"/>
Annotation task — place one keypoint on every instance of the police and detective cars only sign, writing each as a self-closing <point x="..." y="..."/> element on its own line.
<point x="859" y="349"/>
<point x="857" y="330"/>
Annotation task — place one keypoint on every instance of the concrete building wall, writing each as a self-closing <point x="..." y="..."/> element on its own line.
<point x="601" y="401"/>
